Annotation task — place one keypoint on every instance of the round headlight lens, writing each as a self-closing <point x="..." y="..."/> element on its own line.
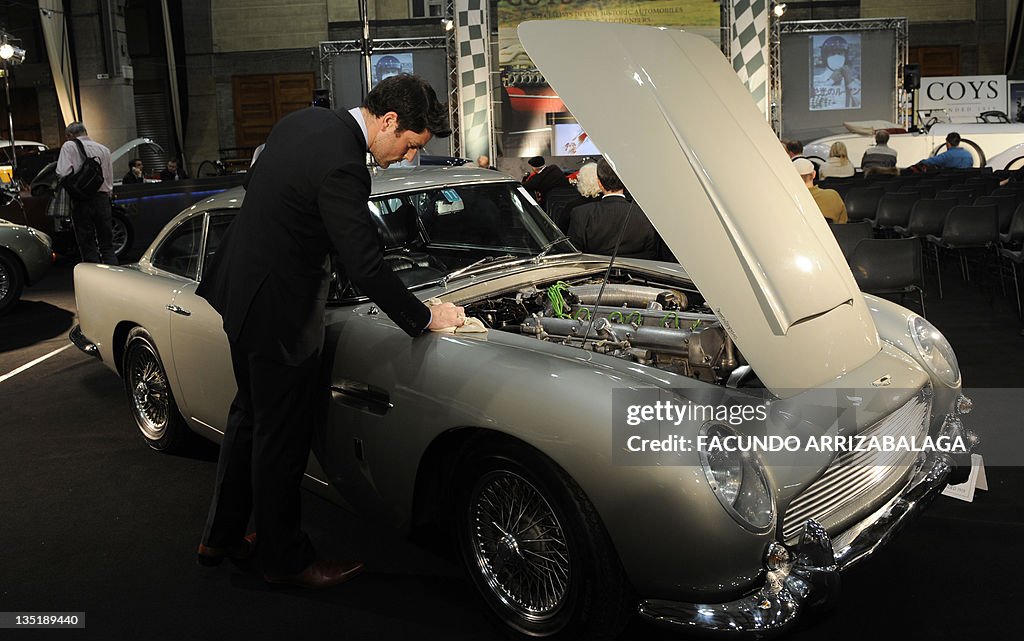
<point x="736" y="477"/>
<point x="935" y="351"/>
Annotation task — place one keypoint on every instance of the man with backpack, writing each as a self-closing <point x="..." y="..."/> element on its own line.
<point x="86" y="173"/>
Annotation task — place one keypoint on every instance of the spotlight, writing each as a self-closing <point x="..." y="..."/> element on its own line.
<point x="448" y="24"/>
<point x="10" y="53"/>
<point x="779" y="9"/>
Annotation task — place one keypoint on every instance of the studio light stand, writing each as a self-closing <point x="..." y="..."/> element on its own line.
<point x="11" y="56"/>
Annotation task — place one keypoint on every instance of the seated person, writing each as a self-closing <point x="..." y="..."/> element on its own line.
<point x="838" y="164"/>
<point x="880" y="154"/>
<point x="828" y="200"/>
<point x="794" y="148"/>
<point x="595" y="227"/>
<point x="955" y="157"/>
<point x="134" y="174"/>
<point x="173" y="172"/>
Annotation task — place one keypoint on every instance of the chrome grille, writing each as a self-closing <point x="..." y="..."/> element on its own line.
<point x="855" y="481"/>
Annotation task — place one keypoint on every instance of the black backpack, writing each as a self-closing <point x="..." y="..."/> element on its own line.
<point x="87" y="180"/>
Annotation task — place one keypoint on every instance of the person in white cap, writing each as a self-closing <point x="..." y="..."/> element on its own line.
<point x="829" y="201"/>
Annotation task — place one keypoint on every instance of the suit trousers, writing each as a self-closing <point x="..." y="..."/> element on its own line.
<point x="263" y="457"/>
<point x="93" y="230"/>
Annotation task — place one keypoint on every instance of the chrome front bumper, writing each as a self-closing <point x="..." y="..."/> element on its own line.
<point x="83" y="343"/>
<point x="807" y="574"/>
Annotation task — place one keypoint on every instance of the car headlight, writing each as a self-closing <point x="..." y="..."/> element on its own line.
<point x="935" y="351"/>
<point x="736" y="477"/>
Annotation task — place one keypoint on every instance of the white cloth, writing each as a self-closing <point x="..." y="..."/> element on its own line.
<point x="472" y="326"/>
<point x="70" y="159"/>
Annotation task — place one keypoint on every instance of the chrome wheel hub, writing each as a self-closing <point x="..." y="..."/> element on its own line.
<point x="520" y="546"/>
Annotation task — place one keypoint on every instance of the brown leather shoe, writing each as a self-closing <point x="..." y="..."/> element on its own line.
<point x="237" y="552"/>
<point x="319" y="575"/>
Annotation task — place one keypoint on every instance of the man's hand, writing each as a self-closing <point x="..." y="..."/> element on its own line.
<point x="447" y="315"/>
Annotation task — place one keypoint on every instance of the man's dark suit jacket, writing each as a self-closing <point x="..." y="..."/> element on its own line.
<point x="594" y="228"/>
<point x="307" y="193"/>
<point x="545" y="180"/>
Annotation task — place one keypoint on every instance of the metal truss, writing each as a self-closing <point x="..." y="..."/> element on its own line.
<point x="452" y="60"/>
<point x="901" y="105"/>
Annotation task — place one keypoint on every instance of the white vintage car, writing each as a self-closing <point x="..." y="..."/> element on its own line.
<point x="517" y="443"/>
<point x="999" y="146"/>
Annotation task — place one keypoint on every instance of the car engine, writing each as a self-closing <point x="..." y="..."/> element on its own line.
<point x="643" y="322"/>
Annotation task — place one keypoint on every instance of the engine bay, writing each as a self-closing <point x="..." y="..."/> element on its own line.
<point x="630" y="316"/>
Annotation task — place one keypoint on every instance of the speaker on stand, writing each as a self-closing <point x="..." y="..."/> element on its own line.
<point x="911" y="83"/>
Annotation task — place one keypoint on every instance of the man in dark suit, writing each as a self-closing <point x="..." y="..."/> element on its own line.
<point x="544" y="178"/>
<point x="307" y="194"/>
<point x="596" y="228"/>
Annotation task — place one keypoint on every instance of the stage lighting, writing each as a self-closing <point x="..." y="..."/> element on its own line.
<point x="779" y="9"/>
<point x="448" y="24"/>
<point x="11" y="54"/>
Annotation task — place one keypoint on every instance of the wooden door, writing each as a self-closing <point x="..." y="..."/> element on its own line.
<point x="936" y="61"/>
<point x="262" y="100"/>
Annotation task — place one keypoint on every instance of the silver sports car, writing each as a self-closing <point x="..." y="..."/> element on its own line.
<point x="25" y="257"/>
<point x="562" y="447"/>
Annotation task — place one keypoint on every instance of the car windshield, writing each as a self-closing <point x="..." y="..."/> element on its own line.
<point x="445" y="232"/>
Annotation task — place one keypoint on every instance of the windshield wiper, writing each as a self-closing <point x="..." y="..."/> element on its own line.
<point x="463" y="270"/>
<point x="546" y="249"/>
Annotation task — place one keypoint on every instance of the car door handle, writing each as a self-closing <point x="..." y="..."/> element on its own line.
<point x="362" y="396"/>
<point x="179" y="310"/>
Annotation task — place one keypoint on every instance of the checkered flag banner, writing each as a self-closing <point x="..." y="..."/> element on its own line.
<point x="471" y="36"/>
<point x="749" y="47"/>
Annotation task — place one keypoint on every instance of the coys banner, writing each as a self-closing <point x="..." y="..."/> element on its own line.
<point x="534" y="119"/>
<point x="963" y="98"/>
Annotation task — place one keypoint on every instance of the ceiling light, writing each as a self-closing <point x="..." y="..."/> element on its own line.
<point x="779" y="9"/>
<point x="12" y="54"/>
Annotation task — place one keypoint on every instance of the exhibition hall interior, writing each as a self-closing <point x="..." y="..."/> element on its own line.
<point x="511" y="319"/>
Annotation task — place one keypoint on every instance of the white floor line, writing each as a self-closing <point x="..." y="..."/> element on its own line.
<point x="32" y="364"/>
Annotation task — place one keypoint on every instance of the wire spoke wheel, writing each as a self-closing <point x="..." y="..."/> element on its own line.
<point x="5" y="281"/>
<point x="520" y="546"/>
<point x="120" y="235"/>
<point x="147" y="385"/>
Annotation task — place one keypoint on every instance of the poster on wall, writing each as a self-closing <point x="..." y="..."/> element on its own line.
<point x="1016" y="111"/>
<point x="529" y="106"/>
<point x="385" y="65"/>
<point x="961" y="98"/>
<point x="835" y="72"/>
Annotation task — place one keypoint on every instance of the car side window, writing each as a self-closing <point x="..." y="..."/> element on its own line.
<point x="179" y="253"/>
<point x="215" y="233"/>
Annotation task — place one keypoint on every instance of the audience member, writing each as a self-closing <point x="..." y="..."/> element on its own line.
<point x="955" y="156"/>
<point x="794" y="148"/>
<point x="879" y="154"/>
<point x="881" y="171"/>
<point x="829" y="201"/>
<point x="134" y="174"/>
<point x="543" y="178"/>
<point x="838" y="164"/>
<point x="588" y="190"/>
<point x="614" y="222"/>
<point x="484" y="162"/>
<point x="173" y="172"/>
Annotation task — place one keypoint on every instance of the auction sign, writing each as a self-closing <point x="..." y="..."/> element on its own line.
<point x="531" y="110"/>
<point x="963" y="98"/>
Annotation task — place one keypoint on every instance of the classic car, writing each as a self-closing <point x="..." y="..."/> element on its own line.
<point x="513" y="443"/>
<point x="993" y="145"/>
<point x="25" y="257"/>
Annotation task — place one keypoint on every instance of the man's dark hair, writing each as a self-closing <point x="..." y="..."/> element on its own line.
<point x="609" y="179"/>
<point x="795" y="147"/>
<point x="131" y="163"/>
<point x="413" y="100"/>
<point x="953" y="139"/>
<point x="881" y="137"/>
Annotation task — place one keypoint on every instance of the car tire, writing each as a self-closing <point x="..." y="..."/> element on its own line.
<point x="123" y="233"/>
<point x="12" y="281"/>
<point x="149" y="394"/>
<point x="579" y="587"/>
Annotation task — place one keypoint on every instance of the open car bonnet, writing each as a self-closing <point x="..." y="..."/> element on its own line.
<point x="686" y="138"/>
